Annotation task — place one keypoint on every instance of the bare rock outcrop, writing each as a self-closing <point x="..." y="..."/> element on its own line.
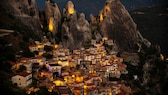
<point x="75" y="28"/>
<point x="117" y="24"/>
<point x="53" y="16"/>
<point x="24" y="10"/>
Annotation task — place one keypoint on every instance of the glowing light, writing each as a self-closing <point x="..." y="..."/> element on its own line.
<point x="39" y="46"/>
<point x="40" y="54"/>
<point x="101" y="80"/>
<point x="39" y="61"/>
<point x="71" y="10"/>
<point x="79" y="79"/>
<point x="60" y="62"/>
<point x="66" y="80"/>
<point x="101" y="17"/>
<point x="28" y="91"/>
<point x="58" y="83"/>
<point x="67" y="63"/>
<point x="107" y="9"/>
<point x="162" y="57"/>
<point x="50" y="26"/>
<point x="110" y="93"/>
<point x="56" y="46"/>
<point x="49" y="90"/>
<point x="85" y="87"/>
<point x="73" y="76"/>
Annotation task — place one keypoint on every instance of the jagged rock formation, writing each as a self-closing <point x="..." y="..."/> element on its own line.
<point x="53" y="16"/>
<point x="24" y="10"/>
<point x="117" y="24"/>
<point x="75" y="28"/>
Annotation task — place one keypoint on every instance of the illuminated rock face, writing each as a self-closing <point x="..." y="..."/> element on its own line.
<point x="75" y="29"/>
<point x="51" y="24"/>
<point x="70" y="7"/>
<point x="116" y="23"/>
<point x="53" y="17"/>
<point x="101" y="17"/>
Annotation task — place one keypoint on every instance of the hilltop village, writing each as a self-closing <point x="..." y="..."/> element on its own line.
<point x="49" y="52"/>
<point x="82" y="71"/>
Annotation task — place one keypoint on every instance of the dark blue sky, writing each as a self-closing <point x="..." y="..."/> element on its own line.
<point x="93" y="6"/>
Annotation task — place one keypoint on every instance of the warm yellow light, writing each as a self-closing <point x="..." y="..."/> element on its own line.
<point x="58" y="83"/>
<point x="28" y="91"/>
<point x="40" y="54"/>
<point x="73" y="76"/>
<point x="101" y="17"/>
<point x="39" y="61"/>
<point x="71" y="10"/>
<point x="51" y="23"/>
<point x="67" y="63"/>
<point x="107" y="8"/>
<point x="79" y="79"/>
<point x="60" y="62"/>
<point x="101" y="80"/>
<point x="117" y="91"/>
<point x="49" y="90"/>
<point x="39" y="46"/>
<point x="66" y="80"/>
<point x="85" y="86"/>
<point x="162" y="57"/>
<point x="56" y="46"/>
<point x="110" y="93"/>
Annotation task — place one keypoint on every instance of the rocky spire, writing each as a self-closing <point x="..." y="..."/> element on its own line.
<point x="75" y="29"/>
<point x="117" y="24"/>
<point x="24" y="10"/>
<point x="53" y="16"/>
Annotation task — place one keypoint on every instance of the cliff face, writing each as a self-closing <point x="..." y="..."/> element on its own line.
<point x="25" y="11"/>
<point x="53" y="16"/>
<point x="75" y="28"/>
<point x="117" y="24"/>
<point x="114" y="22"/>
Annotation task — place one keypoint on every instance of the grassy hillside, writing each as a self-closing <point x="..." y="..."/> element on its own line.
<point x="152" y="23"/>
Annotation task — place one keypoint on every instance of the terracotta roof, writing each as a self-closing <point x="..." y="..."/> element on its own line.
<point x="63" y="90"/>
<point x="38" y="57"/>
<point x="24" y="74"/>
<point x="90" y="84"/>
<point x="78" y="88"/>
<point x="91" y="89"/>
<point x="122" y="65"/>
<point x="95" y="76"/>
<point x="78" y="82"/>
<point x="32" y="45"/>
<point x="86" y="79"/>
<point x="24" y="58"/>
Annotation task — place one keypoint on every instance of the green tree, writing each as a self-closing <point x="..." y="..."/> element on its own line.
<point x="48" y="48"/>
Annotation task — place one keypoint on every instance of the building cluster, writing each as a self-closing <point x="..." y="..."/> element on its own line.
<point x="72" y="72"/>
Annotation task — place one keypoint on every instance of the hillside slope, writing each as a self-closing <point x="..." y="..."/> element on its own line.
<point x="152" y="23"/>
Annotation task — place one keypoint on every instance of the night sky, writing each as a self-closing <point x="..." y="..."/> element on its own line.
<point x="128" y="3"/>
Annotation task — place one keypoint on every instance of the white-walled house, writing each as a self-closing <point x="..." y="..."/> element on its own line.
<point x="55" y="68"/>
<point x="61" y="52"/>
<point x="22" y="79"/>
<point x="28" y="66"/>
<point x="39" y="59"/>
<point x="33" y="48"/>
